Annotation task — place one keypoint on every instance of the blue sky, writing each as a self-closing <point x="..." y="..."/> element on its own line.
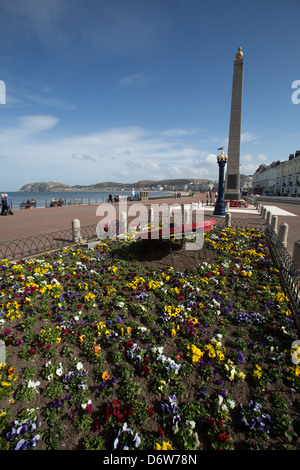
<point x="126" y="90"/>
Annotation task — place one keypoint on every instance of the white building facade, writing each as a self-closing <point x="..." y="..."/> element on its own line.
<point x="288" y="177"/>
<point x="265" y="177"/>
<point x="281" y="178"/>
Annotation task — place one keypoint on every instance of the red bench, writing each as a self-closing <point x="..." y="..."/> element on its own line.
<point x="183" y="230"/>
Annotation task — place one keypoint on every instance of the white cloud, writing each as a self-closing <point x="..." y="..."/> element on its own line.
<point x="136" y="80"/>
<point x="180" y="132"/>
<point x="47" y="100"/>
<point x="141" y="164"/>
<point x="174" y="171"/>
<point x="248" y="168"/>
<point x="38" y="123"/>
<point x="14" y="141"/>
<point x="79" y="156"/>
<point x="121" y="174"/>
<point x="246" y="158"/>
<point x="262" y="157"/>
<point x="250" y="163"/>
<point x="248" y="137"/>
<point x="115" y="154"/>
<point x="35" y="94"/>
<point x="211" y="158"/>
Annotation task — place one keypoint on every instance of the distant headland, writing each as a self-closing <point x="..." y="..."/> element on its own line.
<point x="166" y="185"/>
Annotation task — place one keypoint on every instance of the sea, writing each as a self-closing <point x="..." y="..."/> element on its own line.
<point x="43" y="198"/>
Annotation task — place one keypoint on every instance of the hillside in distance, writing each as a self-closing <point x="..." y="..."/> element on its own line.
<point x="44" y="187"/>
<point x="168" y="184"/>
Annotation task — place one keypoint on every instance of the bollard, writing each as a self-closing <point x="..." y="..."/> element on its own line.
<point x="151" y="216"/>
<point x="283" y="233"/>
<point x="227" y="219"/>
<point x="274" y="223"/>
<point x="123" y="224"/>
<point x="264" y="212"/>
<point x="296" y="253"/>
<point x="269" y="215"/>
<point x="76" y="231"/>
<point x="227" y="206"/>
<point x="187" y="216"/>
<point x="2" y="352"/>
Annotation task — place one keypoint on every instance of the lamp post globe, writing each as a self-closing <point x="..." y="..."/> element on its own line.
<point x="220" y="203"/>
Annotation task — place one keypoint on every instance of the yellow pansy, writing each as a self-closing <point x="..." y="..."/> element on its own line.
<point x="165" y="446"/>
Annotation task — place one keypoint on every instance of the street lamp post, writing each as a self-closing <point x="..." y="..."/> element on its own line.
<point x="220" y="204"/>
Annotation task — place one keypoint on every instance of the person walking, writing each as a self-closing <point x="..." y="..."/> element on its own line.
<point x="3" y="204"/>
<point x="7" y="200"/>
<point x="8" y="208"/>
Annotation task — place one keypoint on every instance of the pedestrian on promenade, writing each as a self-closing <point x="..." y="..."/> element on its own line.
<point x="6" y="206"/>
<point x="3" y="204"/>
<point x="7" y="200"/>
<point x="9" y="211"/>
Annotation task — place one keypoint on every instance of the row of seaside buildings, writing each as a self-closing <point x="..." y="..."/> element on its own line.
<point x="280" y="178"/>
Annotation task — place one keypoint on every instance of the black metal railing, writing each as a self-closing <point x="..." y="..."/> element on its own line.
<point x="235" y="222"/>
<point x="32" y="246"/>
<point x="88" y="232"/>
<point x="289" y="271"/>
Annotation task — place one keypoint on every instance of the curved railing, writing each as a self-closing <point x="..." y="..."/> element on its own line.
<point x="32" y="246"/>
<point x="88" y="232"/>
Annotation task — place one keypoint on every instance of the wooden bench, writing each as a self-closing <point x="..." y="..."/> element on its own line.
<point x="176" y="233"/>
<point x="27" y="204"/>
<point x="56" y="203"/>
<point x="74" y="202"/>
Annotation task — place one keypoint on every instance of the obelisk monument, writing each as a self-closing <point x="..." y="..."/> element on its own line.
<point x="232" y="180"/>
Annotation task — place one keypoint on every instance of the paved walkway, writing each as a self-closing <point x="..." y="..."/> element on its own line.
<point x="30" y="222"/>
<point x="290" y="214"/>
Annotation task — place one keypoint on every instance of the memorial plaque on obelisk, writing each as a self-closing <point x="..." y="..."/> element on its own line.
<point x="232" y="180"/>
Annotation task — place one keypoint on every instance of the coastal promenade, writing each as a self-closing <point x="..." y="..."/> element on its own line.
<point x="38" y="221"/>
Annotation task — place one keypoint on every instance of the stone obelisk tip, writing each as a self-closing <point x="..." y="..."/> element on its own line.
<point x="239" y="54"/>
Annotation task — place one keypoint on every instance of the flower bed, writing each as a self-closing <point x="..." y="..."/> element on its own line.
<point x="105" y="352"/>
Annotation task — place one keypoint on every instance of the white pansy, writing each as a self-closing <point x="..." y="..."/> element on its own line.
<point x="32" y="384"/>
<point x="84" y="405"/>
